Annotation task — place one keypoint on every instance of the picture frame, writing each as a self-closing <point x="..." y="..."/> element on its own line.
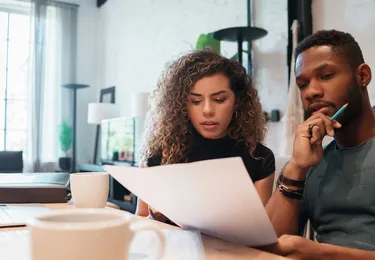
<point x="107" y="95"/>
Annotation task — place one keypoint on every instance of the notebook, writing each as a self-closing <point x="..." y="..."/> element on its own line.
<point x="49" y="187"/>
<point x="18" y="215"/>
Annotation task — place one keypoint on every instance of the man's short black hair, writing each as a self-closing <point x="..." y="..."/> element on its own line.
<point x="342" y="44"/>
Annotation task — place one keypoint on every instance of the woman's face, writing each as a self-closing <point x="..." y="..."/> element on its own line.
<point x="211" y="106"/>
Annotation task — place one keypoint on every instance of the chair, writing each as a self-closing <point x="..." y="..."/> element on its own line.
<point x="11" y="161"/>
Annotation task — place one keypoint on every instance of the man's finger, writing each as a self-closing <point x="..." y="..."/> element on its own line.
<point x="329" y="125"/>
<point x="316" y="135"/>
<point x="336" y="124"/>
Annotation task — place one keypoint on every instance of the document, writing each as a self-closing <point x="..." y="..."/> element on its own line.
<point x="215" y="197"/>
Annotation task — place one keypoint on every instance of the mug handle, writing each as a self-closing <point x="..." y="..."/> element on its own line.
<point x="160" y="236"/>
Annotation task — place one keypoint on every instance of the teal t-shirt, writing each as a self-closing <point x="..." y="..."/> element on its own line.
<point x="339" y="196"/>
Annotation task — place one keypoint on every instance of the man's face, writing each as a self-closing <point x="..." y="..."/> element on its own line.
<point x="327" y="82"/>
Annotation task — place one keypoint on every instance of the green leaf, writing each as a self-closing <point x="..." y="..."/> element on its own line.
<point x="207" y="40"/>
<point x="66" y="136"/>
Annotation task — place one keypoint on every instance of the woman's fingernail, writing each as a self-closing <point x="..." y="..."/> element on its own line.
<point x="318" y="142"/>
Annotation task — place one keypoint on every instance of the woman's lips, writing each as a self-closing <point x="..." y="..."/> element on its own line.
<point x="209" y="125"/>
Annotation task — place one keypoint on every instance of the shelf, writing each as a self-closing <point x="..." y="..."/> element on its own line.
<point x="245" y="33"/>
<point x="75" y="86"/>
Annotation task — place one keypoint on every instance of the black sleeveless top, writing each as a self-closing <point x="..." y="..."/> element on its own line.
<point x="259" y="166"/>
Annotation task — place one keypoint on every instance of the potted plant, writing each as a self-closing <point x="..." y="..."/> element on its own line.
<point x="66" y="140"/>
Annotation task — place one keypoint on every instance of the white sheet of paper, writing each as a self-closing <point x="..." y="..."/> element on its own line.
<point x="216" y="197"/>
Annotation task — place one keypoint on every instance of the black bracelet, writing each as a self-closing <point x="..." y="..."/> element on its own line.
<point x="290" y="182"/>
<point x="292" y="194"/>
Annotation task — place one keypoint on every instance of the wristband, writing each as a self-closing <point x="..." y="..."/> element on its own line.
<point x="289" y="193"/>
<point x="290" y="182"/>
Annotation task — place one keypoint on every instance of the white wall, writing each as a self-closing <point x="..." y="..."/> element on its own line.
<point x="355" y="17"/>
<point x="270" y="53"/>
<point x="270" y="62"/>
<point x="126" y="44"/>
<point x="137" y="38"/>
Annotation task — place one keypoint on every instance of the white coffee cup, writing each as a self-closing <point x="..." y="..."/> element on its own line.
<point x="80" y="234"/>
<point x="89" y="189"/>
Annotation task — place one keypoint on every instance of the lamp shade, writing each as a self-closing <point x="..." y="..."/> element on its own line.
<point x="101" y="111"/>
<point x="139" y="104"/>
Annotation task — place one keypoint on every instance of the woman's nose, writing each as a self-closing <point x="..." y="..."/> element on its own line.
<point x="208" y="109"/>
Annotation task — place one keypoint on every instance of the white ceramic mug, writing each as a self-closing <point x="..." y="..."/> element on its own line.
<point x="89" y="189"/>
<point x="84" y="234"/>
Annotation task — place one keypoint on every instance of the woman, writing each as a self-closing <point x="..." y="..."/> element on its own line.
<point x="207" y="108"/>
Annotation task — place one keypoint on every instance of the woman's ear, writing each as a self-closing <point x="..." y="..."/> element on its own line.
<point x="364" y="75"/>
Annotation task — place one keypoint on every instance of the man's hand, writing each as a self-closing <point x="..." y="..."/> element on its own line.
<point x="308" y="149"/>
<point x="296" y="247"/>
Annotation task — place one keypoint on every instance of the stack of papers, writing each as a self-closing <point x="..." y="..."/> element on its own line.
<point x="215" y="197"/>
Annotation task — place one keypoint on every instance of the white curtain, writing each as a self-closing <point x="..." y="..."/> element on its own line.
<point x="294" y="114"/>
<point x="52" y="64"/>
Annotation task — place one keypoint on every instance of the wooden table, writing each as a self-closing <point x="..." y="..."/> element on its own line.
<point x="215" y="249"/>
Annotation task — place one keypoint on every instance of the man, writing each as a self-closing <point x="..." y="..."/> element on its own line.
<point x="334" y="187"/>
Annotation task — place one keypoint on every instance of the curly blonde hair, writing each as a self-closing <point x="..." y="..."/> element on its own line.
<point x="168" y="129"/>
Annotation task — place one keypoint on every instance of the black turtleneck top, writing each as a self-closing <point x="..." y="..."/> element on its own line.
<point x="259" y="166"/>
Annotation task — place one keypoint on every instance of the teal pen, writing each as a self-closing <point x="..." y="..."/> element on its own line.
<point x="339" y="112"/>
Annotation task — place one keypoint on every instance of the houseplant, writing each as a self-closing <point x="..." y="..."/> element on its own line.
<point x="66" y="140"/>
<point x="207" y="40"/>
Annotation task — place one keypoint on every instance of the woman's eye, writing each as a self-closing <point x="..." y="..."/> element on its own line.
<point x="219" y="100"/>
<point x="195" y="102"/>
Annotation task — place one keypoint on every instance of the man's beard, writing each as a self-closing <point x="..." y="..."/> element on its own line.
<point x="354" y="108"/>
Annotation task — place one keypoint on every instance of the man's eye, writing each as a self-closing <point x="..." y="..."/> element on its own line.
<point x="302" y="85"/>
<point x="327" y="76"/>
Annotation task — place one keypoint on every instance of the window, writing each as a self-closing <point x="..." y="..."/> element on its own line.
<point x="14" y="85"/>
